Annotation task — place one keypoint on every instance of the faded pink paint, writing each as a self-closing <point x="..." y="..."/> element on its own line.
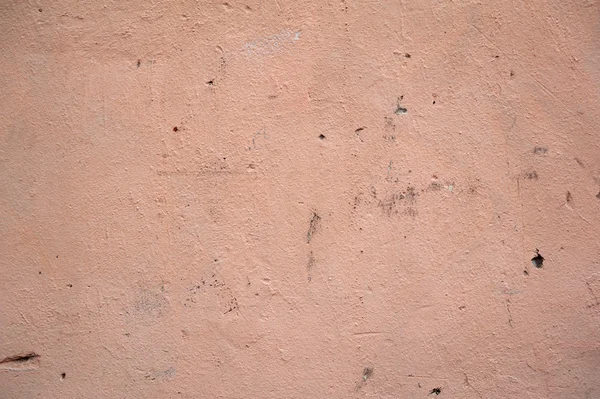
<point x="300" y="199"/>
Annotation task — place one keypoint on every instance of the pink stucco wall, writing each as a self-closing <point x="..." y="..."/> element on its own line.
<point x="300" y="199"/>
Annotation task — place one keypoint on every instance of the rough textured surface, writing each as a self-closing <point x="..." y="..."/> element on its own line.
<point x="300" y="199"/>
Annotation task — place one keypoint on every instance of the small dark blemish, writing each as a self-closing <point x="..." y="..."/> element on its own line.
<point x="56" y="256"/>
<point x="436" y="391"/>
<point x="63" y="376"/>
<point x="322" y="136"/>
<point x="538" y="259"/>
<point x="70" y="285"/>
<point x="39" y="272"/>
<point x="569" y="197"/>
<point x="360" y="129"/>
<point x="496" y="56"/>
<point x="175" y="129"/>
<point x="210" y="83"/>
<point x="598" y="195"/>
<point x="433" y="102"/>
<point x="512" y="73"/>
<point x="540" y="150"/>
<point x="525" y="272"/>
<point x="39" y="10"/>
<point x="367" y="373"/>
<point x="531" y="175"/>
<point x="407" y="55"/>
<point x="139" y="62"/>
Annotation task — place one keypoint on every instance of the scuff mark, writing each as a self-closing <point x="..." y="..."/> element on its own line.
<point x="315" y="223"/>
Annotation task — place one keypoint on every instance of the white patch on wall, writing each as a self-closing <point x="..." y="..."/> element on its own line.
<point x="271" y="44"/>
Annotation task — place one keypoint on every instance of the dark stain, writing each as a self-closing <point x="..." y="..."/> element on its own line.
<point x="512" y="73"/>
<point x="39" y="10"/>
<point x="138" y="63"/>
<point x="389" y="124"/>
<point x="407" y="55"/>
<point x="598" y="195"/>
<point x="63" y="376"/>
<point x="531" y="175"/>
<point x="310" y="265"/>
<point x="399" y="109"/>
<point x="321" y="136"/>
<point x="367" y="373"/>
<point x="175" y="129"/>
<point x="436" y="391"/>
<point x="569" y="197"/>
<point x="70" y="285"/>
<point x="538" y="259"/>
<point x="314" y="225"/>
<point x="540" y="150"/>
<point x="210" y="83"/>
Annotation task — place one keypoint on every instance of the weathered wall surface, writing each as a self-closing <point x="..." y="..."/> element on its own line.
<point x="299" y="199"/>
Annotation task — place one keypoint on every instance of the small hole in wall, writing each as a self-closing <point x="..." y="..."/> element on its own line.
<point x="322" y="136"/>
<point x="39" y="272"/>
<point x="63" y="376"/>
<point x="70" y="285"/>
<point x="407" y="55"/>
<point x="175" y="129"/>
<point x="436" y="391"/>
<point x="538" y="259"/>
<point x="39" y="10"/>
<point x="525" y="272"/>
<point x="433" y="102"/>
<point x="210" y="83"/>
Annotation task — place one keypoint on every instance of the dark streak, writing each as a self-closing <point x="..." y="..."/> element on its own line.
<point x="315" y="222"/>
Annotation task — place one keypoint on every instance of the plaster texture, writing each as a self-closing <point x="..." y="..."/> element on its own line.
<point x="300" y="199"/>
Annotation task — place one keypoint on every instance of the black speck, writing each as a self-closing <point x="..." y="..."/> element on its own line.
<point x="175" y="129"/>
<point x="436" y="391"/>
<point x="496" y="56"/>
<point x="407" y="55"/>
<point x="512" y="73"/>
<point x="39" y="10"/>
<point x="525" y="273"/>
<point x="39" y="272"/>
<point x="138" y="63"/>
<point x="56" y="256"/>
<point x="70" y="285"/>
<point x="433" y="102"/>
<point x="538" y="259"/>
<point x="63" y="376"/>
<point x="322" y="136"/>
<point x="210" y="83"/>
